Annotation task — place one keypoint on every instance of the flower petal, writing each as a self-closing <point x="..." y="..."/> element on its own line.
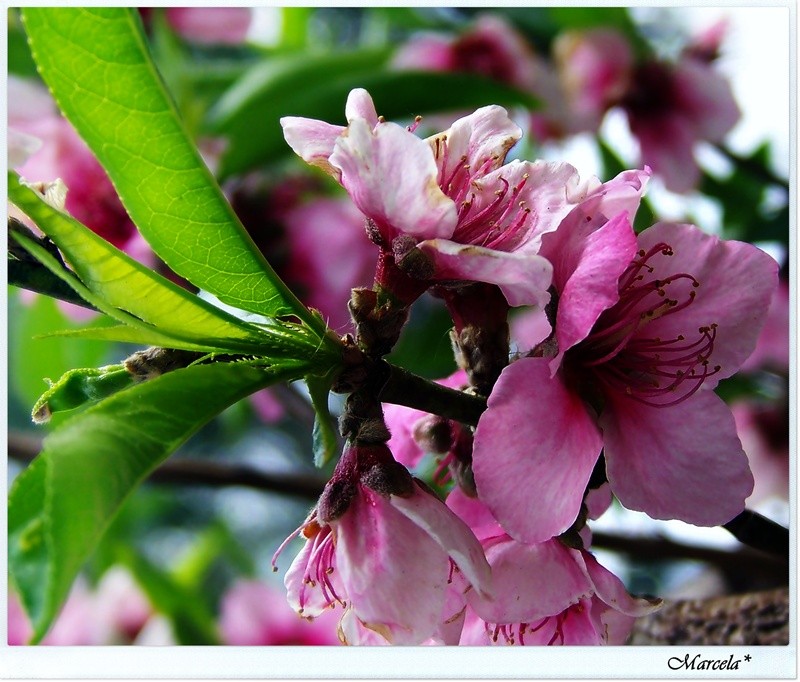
<point x="450" y="532"/>
<point x="523" y="278"/>
<point x="475" y="514"/>
<point x="737" y="281"/>
<point x="534" y="451"/>
<point x="595" y="258"/>
<point x="360" y="105"/>
<point x="611" y="590"/>
<point x="394" y="572"/>
<point x="531" y="582"/>
<point x="483" y="137"/>
<point x="312" y="140"/>
<point x="683" y="461"/>
<point x="391" y="176"/>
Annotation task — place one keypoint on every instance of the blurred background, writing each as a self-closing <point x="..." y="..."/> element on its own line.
<point x="701" y="95"/>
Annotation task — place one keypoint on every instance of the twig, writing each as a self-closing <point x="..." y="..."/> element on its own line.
<point x="405" y="388"/>
<point x="186" y="471"/>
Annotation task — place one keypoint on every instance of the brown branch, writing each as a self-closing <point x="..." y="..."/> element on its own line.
<point x="742" y="619"/>
<point x="405" y="388"/>
<point x="189" y="471"/>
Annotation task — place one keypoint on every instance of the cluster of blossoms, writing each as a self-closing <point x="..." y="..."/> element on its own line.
<point x="616" y="399"/>
<point x="670" y="105"/>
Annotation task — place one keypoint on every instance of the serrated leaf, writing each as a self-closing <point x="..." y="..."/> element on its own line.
<point x="270" y="91"/>
<point x="325" y="439"/>
<point x="60" y="507"/>
<point x="79" y="387"/>
<point x="97" y="65"/>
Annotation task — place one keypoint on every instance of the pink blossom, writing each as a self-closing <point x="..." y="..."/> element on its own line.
<point x="595" y="69"/>
<point x="113" y="613"/>
<point x="672" y="107"/>
<point x="645" y="328"/>
<point x="490" y="48"/>
<point x="255" y="614"/>
<point x="384" y="548"/>
<point x="446" y="208"/>
<point x="544" y="593"/>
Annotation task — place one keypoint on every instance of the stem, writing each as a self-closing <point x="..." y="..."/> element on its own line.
<point x="759" y="532"/>
<point x="405" y="388"/>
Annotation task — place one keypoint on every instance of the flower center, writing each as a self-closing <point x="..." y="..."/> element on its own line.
<point x="319" y="565"/>
<point x="501" y="223"/>
<point x="653" y="370"/>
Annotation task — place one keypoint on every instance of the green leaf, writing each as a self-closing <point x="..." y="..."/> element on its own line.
<point x="270" y="91"/>
<point x="116" y="280"/>
<point x="325" y="439"/>
<point x="192" y="621"/>
<point x="60" y="507"/>
<point x="97" y="65"/>
<point x="78" y="387"/>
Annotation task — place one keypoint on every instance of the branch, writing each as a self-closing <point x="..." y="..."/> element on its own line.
<point x="753" y="618"/>
<point x="759" y="532"/>
<point x="186" y="471"/>
<point x="405" y="388"/>
<point x="746" y="560"/>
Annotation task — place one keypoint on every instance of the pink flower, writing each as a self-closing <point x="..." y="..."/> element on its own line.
<point x="114" y="613"/>
<point x="544" y="593"/>
<point x="595" y="70"/>
<point x="386" y="549"/>
<point x="645" y="328"/>
<point x="255" y="614"/>
<point x="490" y="48"/>
<point x="672" y="107"/>
<point x="446" y="208"/>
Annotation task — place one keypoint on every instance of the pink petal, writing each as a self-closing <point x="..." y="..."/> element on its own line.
<point x="737" y="281"/>
<point x="360" y="105"/>
<point x="483" y="137"/>
<point x="667" y="144"/>
<point x="611" y="590"/>
<point x="391" y="176"/>
<point x="523" y="278"/>
<point x="531" y="582"/>
<point x="312" y="141"/>
<point x="683" y="461"/>
<point x="595" y="260"/>
<point x="536" y="441"/>
<point x="308" y="600"/>
<point x="705" y="97"/>
<point x="395" y="573"/>
<point x="475" y="514"/>
<point x="551" y="190"/>
<point x="450" y="532"/>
